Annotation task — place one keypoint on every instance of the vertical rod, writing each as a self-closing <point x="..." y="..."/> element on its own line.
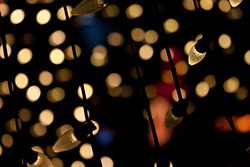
<point x="84" y="98"/>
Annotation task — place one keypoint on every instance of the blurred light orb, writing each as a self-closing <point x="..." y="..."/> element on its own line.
<point x="79" y="114"/>
<point x="33" y="93"/>
<point x="61" y="15"/>
<point x="88" y="91"/>
<point x="21" y="80"/>
<point x="175" y="96"/>
<point x="210" y="79"/>
<point x="146" y="52"/>
<point x="78" y="164"/>
<point x="43" y="16"/>
<point x="134" y="11"/>
<point x="57" y="38"/>
<point x="57" y="162"/>
<point x="113" y="80"/>
<point x="17" y="16"/>
<point x="225" y="41"/>
<point x="107" y="161"/>
<point x="24" y="56"/>
<point x="242" y="124"/>
<point x="1" y="150"/>
<point x="171" y="25"/>
<point x="2" y="55"/>
<point x="46" y="117"/>
<point x="110" y="11"/>
<point x="45" y="78"/>
<point x="115" y="39"/>
<point x="57" y="56"/>
<point x="1" y="103"/>
<point x="224" y="6"/>
<point x="188" y="5"/>
<point x="231" y="85"/>
<point x="207" y="4"/>
<point x="24" y="114"/>
<point x="7" y="140"/>
<point x="4" y="9"/>
<point x="202" y="89"/>
<point x="38" y="130"/>
<point x="151" y="36"/>
<point x="137" y="34"/>
<point x="64" y="75"/>
<point x="69" y="52"/>
<point x="86" y="151"/>
<point x="55" y="95"/>
<point x="242" y="93"/>
<point x="247" y="57"/>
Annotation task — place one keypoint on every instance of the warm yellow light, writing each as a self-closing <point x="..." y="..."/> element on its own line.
<point x="247" y="57"/>
<point x="151" y="36"/>
<point x="164" y="55"/>
<point x="57" y="38"/>
<point x="61" y="14"/>
<point x="56" y="56"/>
<point x="210" y="79"/>
<point x="38" y="130"/>
<point x="224" y="6"/>
<point x="4" y="88"/>
<point x="151" y="91"/>
<point x="43" y="16"/>
<point x="32" y="1"/>
<point x="64" y="75"/>
<point x="167" y="77"/>
<point x="4" y="9"/>
<point x="25" y="115"/>
<point x="17" y="16"/>
<point x="11" y="125"/>
<point x="235" y="3"/>
<point x="146" y="52"/>
<point x="1" y="150"/>
<point x="207" y="4"/>
<point x="69" y="53"/>
<point x="10" y="38"/>
<point x="188" y="5"/>
<point x="88" y="91"/>
<point x="21" y="80"/>
<point x="175" y="96"/>
<point x="231" y="85"/>
<point x="242" y="93"/>
<point x="137" y="34"/>
<point x="107" y="161"/>
<point x="110" y="11"/>
<point x="181" y="67"/>
<point x="2" y="55"/>
<point x="225" y="41"/>
<point x="33" y="93"/>
<point x="134" y="11"/>
<point x="202" y="89"/>
<point x="98" y="59"/>
<point x="113" y="80"/>
<point x="78" y="164"/>
<point x="1" y="103"/>
<point x="127" y="91"/>
<point x="171" y="26"/>
<point x="46" y="117"/>
<point x="115" y="39"/>
<point x="24" y="56"/>
<point x="45" y="78"/>
<point x="242" y="124"/>
<point x="57" y="162"/>
<point x="86" y="151"/>
<point x="55" y="95"/>
<point x="79" y="114"/>
<point x="7" y="140"/>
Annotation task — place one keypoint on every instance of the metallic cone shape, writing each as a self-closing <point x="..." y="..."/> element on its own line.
<point x="194" y="56"/>
<point x="88" y="6"/>
<point x="235" y="3"/>
<point x="42" y="161"/>
<point x="171" y="120"/>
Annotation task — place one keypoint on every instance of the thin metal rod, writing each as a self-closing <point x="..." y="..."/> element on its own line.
<point x="166" y="43"/>
<point x="84" y="98"/>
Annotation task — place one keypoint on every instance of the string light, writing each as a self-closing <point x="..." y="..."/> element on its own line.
<point x="235" y="3"/>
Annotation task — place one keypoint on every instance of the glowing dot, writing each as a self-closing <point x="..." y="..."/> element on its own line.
<point x="171" y="25"/>
<point x="151" y="36"/>
<point x="38" y="130"/>
<point x="21" y="80"/>
<point x="115" y="39"/>
<point x="175" y="96"/>
<point x="32" y="1"/>
<point x="98" y="59"/>
<point x="134" y="11"/>
<point x="79" y="114"/>
<point x="7" y="140"/>
<point x="137" y="34"/>
<point x="43" y="16"/>
<point x="56" y="56"/>
<point x="57" y="162"/>
<point x="247" y="57"/>
<point x="224" y="6"/>
<point x="225" y="41"/>
<point x="113" y="80"/>
<point x="25" y="114"/>
<point x="1" y="103"/>
<point x="33" y="93"/>
<point x="55" y="95"/>
<point x="88" y="91"/>
<point x="110" y="11"/>
<point x="167" y="77"/>
<point x="164" y="55"/>
<point x="10" y="38"/>
<point x="181" y="67"/>
<point x="146" y="52"/>
<point x="46" y="117"/>
<point x="61" y="15"/>
<point x="188" y="5"/>
<point x="69" y="53"/>
<point x="86" y="151"/>
<point x="242" y="124"/>
<point x="206" y="4"/>
<point x="210" y="79"/>
<point x="24" y="56"/>
<point x="63" y="75"/>
<point x="4" y="88"/>
<point x="78" y="164"/>
<point x="11" y="125"/>
<point x="107" y="161"/>
<point x="231" y="85"/>
<point x="45" y="78"/>
<point x="202" y="89"/>
<point x="17" y="16"/>
<point x="4" y="9"/>
<point x="2" y="55"/>
<point x="57" y="38"/>
<point x="242" y="93"/>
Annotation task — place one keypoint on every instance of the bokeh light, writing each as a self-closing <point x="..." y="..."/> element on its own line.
<point x="55" y="95"/>
<point x="110" y="11"/>
<point x="225" y="41"/>
<point x="146" y="52"/>
<point x="24" y="56"/>
<point x="46" y="117"/>
<point x="24" y="114"/>
<point x="231" y="85"/>
<point x="61" y="15"/>
<point x="113" y="80"/>
<point x="88" y="91"/>
<point x="38" y="130"/>
<point x="21" y="80"/>
<point x="57" y="38"/>
<point x="86" y="151"/>
<point x="171" y="26"/>
<point x="242" y="124"/>
<point x="134" y="11"/>
<point x="115" y="39"/>
<point x="7" y="140"/>
<point x="43" y="16"/>
<point x="57" y="56"/>
<point x="17" y="16"/>
<point x="33" y="93"/>
<point x="137" y="34"/>
<point x="77" y="164"/>
<point x="45" y="78"/>
<point x="79" y="114"/>
<point x="107" y="161"/>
